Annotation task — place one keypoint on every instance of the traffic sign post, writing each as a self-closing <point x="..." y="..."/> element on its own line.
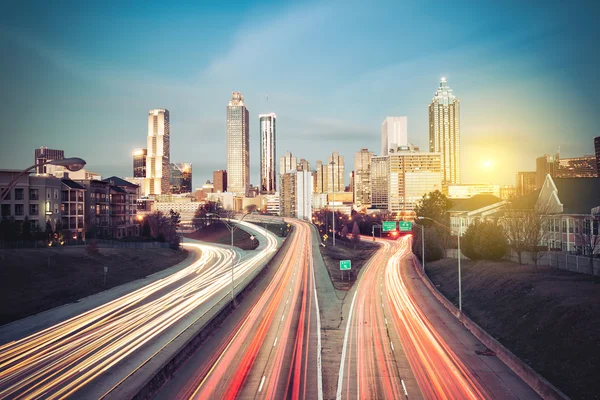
<point x="345" y="265"/>
<point x="389" y="226"/>
<point x="405" y="226"/>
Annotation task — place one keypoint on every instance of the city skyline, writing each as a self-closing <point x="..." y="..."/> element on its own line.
<point x="72" y="81"/>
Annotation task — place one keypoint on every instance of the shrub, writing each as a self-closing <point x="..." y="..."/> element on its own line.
<point x="484" y="241"/>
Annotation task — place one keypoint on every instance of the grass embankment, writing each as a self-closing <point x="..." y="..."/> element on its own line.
<point x="549" y="319"/>
<point x="36" y="280"/>
<point x="219" y="233"/>
<point x="344" y="250"/>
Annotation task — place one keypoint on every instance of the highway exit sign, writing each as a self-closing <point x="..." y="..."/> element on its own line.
<point x="345" y="265"/>
<point x="405" y="226"/>
<point x="389" y="226"/>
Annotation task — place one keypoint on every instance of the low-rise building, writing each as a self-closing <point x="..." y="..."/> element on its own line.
<point x="480" y="207"/>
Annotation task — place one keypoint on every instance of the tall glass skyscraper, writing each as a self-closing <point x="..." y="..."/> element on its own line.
<point x="158" y="173"/>
<point x="444" y="132"/>
<point x="267" y="153"/>
<point x="238" y="138"/>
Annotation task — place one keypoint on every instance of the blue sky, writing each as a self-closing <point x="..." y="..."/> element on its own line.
<point x="81" y="77"/>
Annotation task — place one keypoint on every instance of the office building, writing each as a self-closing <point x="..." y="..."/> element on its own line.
<point x="597" y="151"/>
<point x="181" y="178"/>
<point x="304" y="165"/>
<point x="362" y="178"/>
<point x="44" y="154"/>
<point x="335" y="173"/>
<point x="508" y="192"/>
<point x="545" y="165"/>
<point x="297" y="194"/>
<point x="158" y="180"/>
<point x="321" y="177"/>
<point x="220" y="181"/>
<point x="577" y="167"/>
<point x="139" y="163"/>
<point x="444" y="132"/>
<point x="394" y="133"/>
<point x="379" y="182"/>
<point x="238" y="143"/>
<point x="466" y="191"/>
<point x="525" y="183"/>
<point x="268" y="155"/>
<point x="287" y="163"/>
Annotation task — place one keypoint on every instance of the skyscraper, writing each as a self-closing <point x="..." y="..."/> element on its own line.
<point x="321" y="185"/>
<point x="335" y="173"/>
<point x="544" y="165"/>
<point x="379" y="182"/>
<point x="287" y="163"/>
<point x="525" y="183"/>
<point x="304" y="165"/>
<point x="220" y="181"/>
<point x="394" y="133"/>
<point x="139" y="163"/>
<point x="158" y="179"/>
<point x="362" y="177"/>
<point x="238" y="152"/>
<point x="44" y="154"/>
<point x="181" y="178"/>
<point x="444" y="132"/>
<point x="267" y="153"/>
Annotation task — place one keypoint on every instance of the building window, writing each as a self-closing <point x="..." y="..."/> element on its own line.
<point x="19" y="209"/>
<point x="33" y="224"/>
<point x="571" y="223"/>
<point x="34" y="209"/>
<point x="5" y="210"/>
<point x="7" y="196"/>
<point x="595" y="228"/>
<point x="586" y="227"/>
<point x="564" y="226"/>
<point x="34" y="194"/>
<point x="19" y="194"/>
<point x="56" y="207"/>
<point x="56" y="194"/>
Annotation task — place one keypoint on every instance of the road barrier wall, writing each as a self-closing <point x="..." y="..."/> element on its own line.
<point x="540" y="385"/>
<point x="147" y="379"/>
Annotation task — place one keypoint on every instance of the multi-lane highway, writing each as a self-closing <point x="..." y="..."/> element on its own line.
<point x="401" y="343"/>
<point x="98" y="348"/>
<point x="271" y="349"/>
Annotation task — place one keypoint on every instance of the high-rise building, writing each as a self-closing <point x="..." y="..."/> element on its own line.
<point x="335" y="173"/>
<point x="296" y="195"/>
<point x="362" y="178"/>
<point x="238" y="139"/>
<point x="220" y="181"/>
<point x="544" y="165"/>
<point x="304" y="165"/>
<point x="525" y="183"/>
<point x="321" y="172"/>
<point x="267" y="153"/>
<point x="44" y="154"/>
<point x="577" y="167"/>
<point x="394" y="133"/>
<point x="412" y="175"/>
<point x="597" y="150"/>
<point x="139" y="163"/>
<point x="158" y="180"/>
<point x="444" y="132"/>
<point x="379" y="182"/>
<point x="287" y="163"/>
<point x="181" y="178"/>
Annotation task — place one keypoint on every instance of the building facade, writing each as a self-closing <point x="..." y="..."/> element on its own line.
<point x="287" y="163"/>
<point x="238" y="143"/>
<point x="44" y="154"/>
<point x="335" y="173"/>
<point x="139" y="163"/>
<point x="181" y="178"/>
<point x="297" y="194"/>
<point x="394" y="133"/>
<point x="220" y="181"/>
<point x="158" y="180"/>
<point x="545" y="165"/>
<point x="465" y="191"/>
<point x="577" y="167"/>
<point x="362" y="178"/>
<point x="72" y="209"/>
<point x="444" y="132"/>
<point x="321" y="177"/>
<point x="268" y="156"/>
<point x="525" y="183"/>
<point x="379" y="182"/>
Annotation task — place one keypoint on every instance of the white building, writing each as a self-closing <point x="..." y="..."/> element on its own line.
<point x="287" y="163"/>
<point x="394" y="133"/>
<point x="158" y="172"/>
<point x="304" y="193"/>
<point x="465" y="191"/>
<point x="272" y="201"/>
<point x="268" y="156"/>
<point x="238" y="145"/>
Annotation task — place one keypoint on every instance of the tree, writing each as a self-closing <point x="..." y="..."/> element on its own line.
<point x="344" y="233"/>
<point x="355" y="234"/>
<point x="48" y="231"/>
<point x="174" y="221"/>
<point x="484" y="240"/>
<point x="26" y="230"/>
<point x="433" y="246"/>
<point x="251" y="208"/>
<point x="434" y="205"/>
<point x="146" y="231"/>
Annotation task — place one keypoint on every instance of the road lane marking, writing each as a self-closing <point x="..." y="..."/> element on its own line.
<point x="392" y="344"/>
<point x="275" y="342"/>
<point x="385" y="321"/>
<point x="283" y="316"/>
<point x="262" y="382"/>
<point x="341" y="373"/>
<point x="404" y="387"/>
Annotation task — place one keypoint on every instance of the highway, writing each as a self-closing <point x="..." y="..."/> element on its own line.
<point x="401" y="343"/>
<point x="269" y="347"/>
<point x="96" y="349"/>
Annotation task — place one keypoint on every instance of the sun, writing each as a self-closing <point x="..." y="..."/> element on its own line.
<point x="487" y="164"/>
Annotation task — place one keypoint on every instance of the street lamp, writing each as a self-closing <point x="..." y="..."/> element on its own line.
<point x="73" y="164"/>
<point x="332" y="163"/>
<point x="232" y="228"/>
<point x="459" y="254"/>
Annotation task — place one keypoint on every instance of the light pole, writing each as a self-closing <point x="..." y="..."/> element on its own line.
<point x="332" y="163"/>
<point x="72" y="164"/>
<point x="459" y="254"/>
<point x="232" y="228"/>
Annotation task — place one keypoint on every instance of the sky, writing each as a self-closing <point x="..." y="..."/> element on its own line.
<point x="81" y="76"/>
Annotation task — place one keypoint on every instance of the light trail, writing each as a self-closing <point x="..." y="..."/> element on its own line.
<point x="60" y="360"/>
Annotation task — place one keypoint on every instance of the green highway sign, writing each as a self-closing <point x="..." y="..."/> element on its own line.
<point x="389" y="226"/>
<point x="405" y="226"/>
<point x="345" y="265"/>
